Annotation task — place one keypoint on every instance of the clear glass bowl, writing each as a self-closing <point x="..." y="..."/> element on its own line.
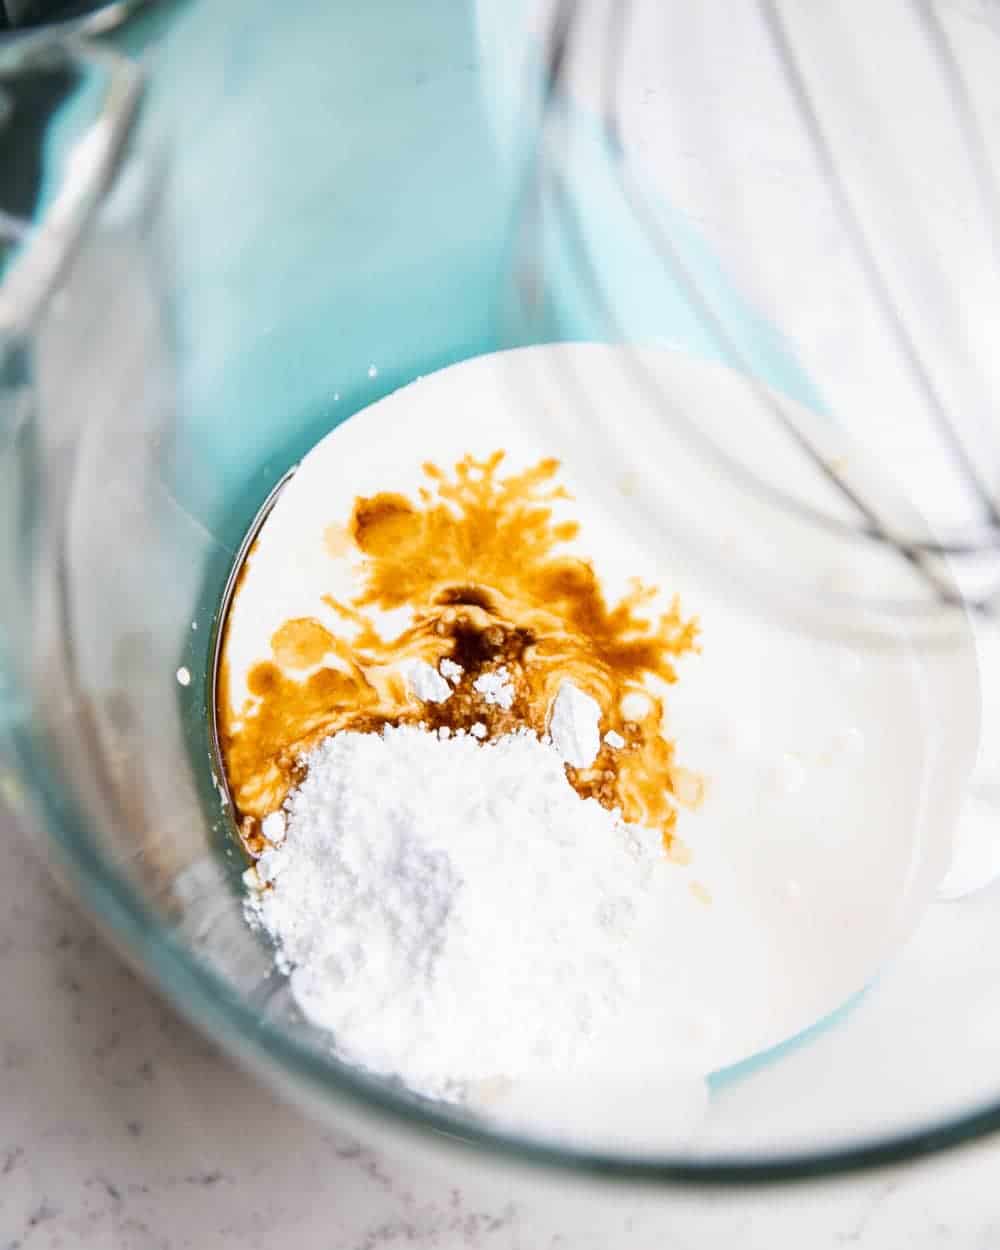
<point x="307" y="211"/>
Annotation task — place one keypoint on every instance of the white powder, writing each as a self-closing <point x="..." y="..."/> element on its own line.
<point x="453" y="911"/>
<point x="426" y="682"/>
<point x="269" y="865"/>
<point x="496" y="687"/>
<point x="273" y="827"/>
<point x="451" y="670"/>
<point x="575" y="726"/>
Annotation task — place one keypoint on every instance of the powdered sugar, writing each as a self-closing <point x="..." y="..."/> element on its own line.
<point x="495" y="687"/>
<point x="406" y="854"/>
<point x="273" y="827"/>
<point x="426" y="682"/>
<point x="451" y="670"/>
<point x="574" y="726"/>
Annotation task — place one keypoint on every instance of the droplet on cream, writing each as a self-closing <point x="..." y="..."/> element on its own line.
<point x="301" y="644"/>
<point x="689" y="787"/>
<point x="635" y="705"/>
<point x="337" y="540"/>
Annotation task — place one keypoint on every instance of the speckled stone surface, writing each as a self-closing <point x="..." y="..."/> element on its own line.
<point x="121" y="1129"/>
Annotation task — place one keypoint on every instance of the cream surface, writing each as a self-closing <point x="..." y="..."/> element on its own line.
<point x="828" y="809"/>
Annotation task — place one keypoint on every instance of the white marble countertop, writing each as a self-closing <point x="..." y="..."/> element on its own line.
<point x="121" y="1128"/>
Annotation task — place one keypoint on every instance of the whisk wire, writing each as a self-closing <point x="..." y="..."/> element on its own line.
<point x="922" y="554"/>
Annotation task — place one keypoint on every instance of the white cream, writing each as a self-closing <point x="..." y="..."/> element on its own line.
<point x="858" y="828"/>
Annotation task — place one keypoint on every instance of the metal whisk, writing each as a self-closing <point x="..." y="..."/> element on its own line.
<point x="620" y="139"/>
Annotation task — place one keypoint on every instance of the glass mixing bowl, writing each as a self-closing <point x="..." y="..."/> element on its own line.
<point x="247" y="227"/>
